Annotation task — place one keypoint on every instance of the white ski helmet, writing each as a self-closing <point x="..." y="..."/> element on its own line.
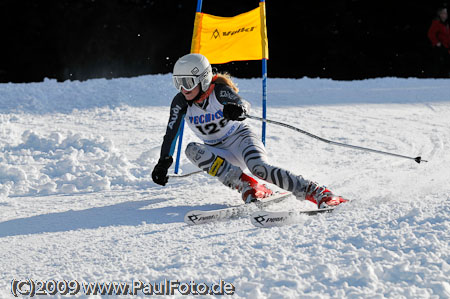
<point x="190" y="70"/>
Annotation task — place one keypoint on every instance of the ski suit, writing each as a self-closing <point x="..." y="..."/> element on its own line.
<point x="228" y="147"/>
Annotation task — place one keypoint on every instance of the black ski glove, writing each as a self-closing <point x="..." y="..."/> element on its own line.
<point x="159" y="174"/>
<point x="234" y="112"/>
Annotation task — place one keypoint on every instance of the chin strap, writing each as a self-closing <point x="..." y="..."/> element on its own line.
<point x="206" y="94"/>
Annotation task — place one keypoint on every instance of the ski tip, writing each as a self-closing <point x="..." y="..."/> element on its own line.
<point x="191" y="217"/>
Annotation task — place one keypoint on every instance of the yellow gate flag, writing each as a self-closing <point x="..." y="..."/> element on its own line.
<point x="242" y="37"/>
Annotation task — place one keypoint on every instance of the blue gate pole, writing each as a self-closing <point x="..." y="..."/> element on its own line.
<point x="199" y="5"/>
<point x="264" y="95"/>
<point x="180" y="136"/>
<point x="264" y="98"/>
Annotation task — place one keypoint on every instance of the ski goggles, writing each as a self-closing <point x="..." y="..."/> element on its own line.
<point x="187" y="82"/>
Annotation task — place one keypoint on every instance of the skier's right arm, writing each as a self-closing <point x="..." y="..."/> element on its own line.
<point x="177" y="111"/>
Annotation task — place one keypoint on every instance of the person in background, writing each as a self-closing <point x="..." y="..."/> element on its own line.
<point x="215" y="112"/>
<point x="439" y="35"/>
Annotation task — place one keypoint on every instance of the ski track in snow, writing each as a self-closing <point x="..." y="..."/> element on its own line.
<point x="77" y="201"/>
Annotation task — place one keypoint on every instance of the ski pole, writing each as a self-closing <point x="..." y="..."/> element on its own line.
<point x="417" y="159"/>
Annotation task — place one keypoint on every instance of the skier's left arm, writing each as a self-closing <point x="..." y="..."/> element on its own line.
<point x="234" y="107"/>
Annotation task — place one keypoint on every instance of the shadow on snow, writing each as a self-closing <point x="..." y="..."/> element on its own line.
<point x="132" y="213"/>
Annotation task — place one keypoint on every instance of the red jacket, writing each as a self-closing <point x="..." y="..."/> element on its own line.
<point x="439" y="32"/>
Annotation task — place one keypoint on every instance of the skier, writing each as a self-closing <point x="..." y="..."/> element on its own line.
<point x="215" y="112"/>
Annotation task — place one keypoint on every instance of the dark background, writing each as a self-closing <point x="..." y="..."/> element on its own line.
<point x="340" y="39"/>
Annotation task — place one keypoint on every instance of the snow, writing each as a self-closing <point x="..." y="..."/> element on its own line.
<point x="77" y="201"/>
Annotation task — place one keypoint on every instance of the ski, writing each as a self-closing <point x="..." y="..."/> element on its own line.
<point x="195" y="217"/>
<point x="271" y="219"/>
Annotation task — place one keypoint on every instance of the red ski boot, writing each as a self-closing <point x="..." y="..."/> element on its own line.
<point x="323" y="197"/>
<point x="251" y="190"/>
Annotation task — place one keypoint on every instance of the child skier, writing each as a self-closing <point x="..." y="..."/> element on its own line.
<point x="215" y="112"/>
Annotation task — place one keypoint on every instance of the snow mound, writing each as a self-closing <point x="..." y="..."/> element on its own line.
<point x="67" y="163"/>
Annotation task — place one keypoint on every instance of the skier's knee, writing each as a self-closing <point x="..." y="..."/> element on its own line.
<point x="260" y="171"/>
<point x="194" y="151"/>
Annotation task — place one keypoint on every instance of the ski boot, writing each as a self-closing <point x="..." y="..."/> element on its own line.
<point x="251" y="190"/>
<point x="323" y="197"/>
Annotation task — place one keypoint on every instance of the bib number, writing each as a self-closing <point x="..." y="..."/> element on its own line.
<point x="212" y="128"/>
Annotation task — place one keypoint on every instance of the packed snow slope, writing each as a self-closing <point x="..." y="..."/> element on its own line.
<point x="77" y="201"/>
